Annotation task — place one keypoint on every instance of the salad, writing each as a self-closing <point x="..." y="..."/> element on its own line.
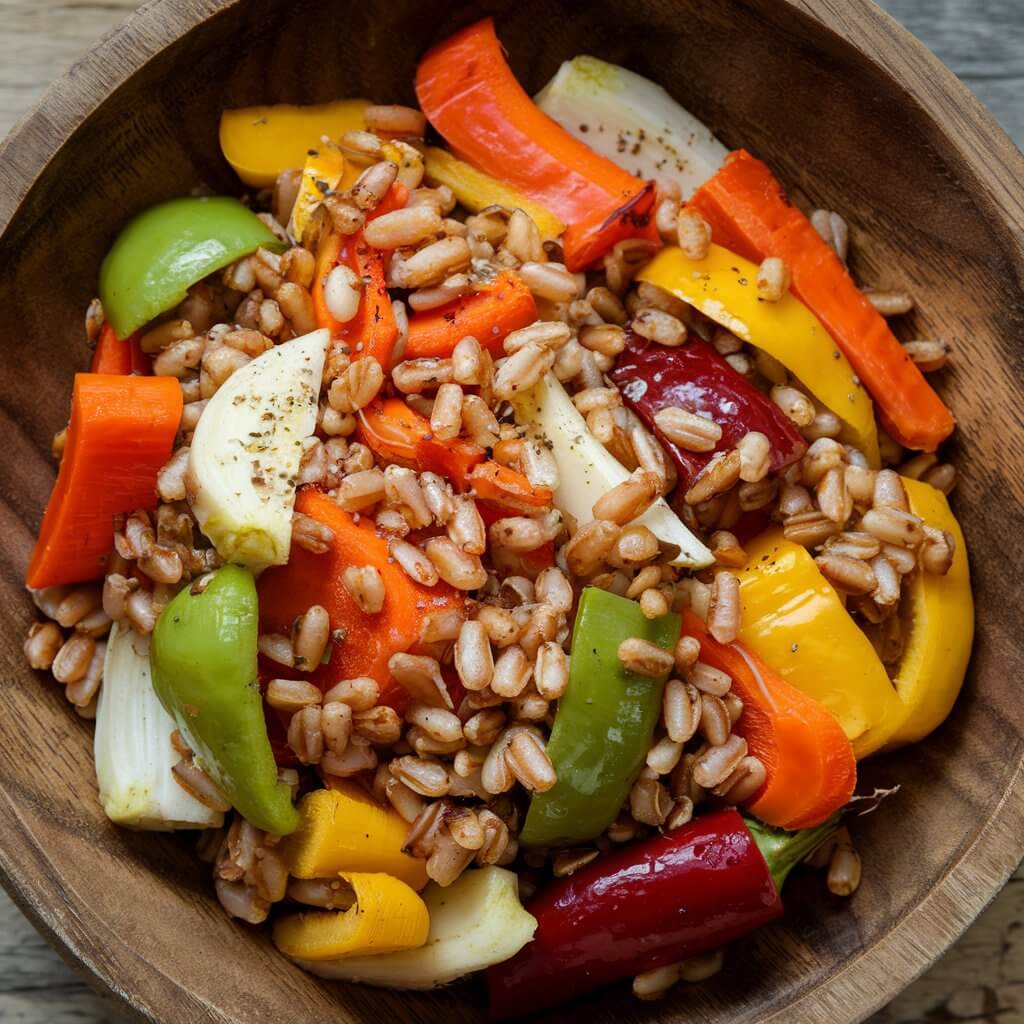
<point x="500" y="533"/>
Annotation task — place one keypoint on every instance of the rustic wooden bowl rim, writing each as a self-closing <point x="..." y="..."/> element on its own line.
<point x="879" y="972"/>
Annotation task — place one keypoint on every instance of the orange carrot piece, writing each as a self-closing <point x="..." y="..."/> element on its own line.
<point x="489" y="315"/>
<point x="750" y="214"/>
<point x="393" y="431"/>
<point x="810" y="763"/>
<point x="469" y="94"/>
<point x="287" y="591"/>
<point x="373" y="330"/>
<point x="121" y="433"/>
<point x="113" y="355"/>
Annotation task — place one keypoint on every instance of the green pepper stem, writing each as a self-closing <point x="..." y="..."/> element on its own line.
<point x="783" y="850"/>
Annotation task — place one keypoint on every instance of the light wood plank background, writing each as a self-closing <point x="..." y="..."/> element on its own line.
<point x="981" y="980"/>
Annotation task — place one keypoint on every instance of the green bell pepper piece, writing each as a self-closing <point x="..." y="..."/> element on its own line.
<point x="203" y="661"/>
<point x="604" y="725"/>
<point x="168" y="248"/>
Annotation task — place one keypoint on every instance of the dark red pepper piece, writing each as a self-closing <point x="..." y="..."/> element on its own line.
<point x="696" y="378"/>
<point x="644" y="906"/>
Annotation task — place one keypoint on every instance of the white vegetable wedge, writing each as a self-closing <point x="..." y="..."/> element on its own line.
<point x="246" y="451"/>
<point x="587" y="470"/>
<point x="632" y="122"/>
<point x="133" y="751"/>
<point x="476" y="922"/>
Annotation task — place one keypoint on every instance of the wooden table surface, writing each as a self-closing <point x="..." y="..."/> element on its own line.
<point x="981" y="980"/>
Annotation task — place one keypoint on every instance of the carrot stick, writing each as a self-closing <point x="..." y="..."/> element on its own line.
<point x="121" y="433"/>
<point x="113" y="355"/>
<point x="373" y="330"/>
<point x="810" y="763"/>
<point x="469" y="94"/>
<point x="489" y="315"/>
<point x="287" y="591"/>
<point x="750" y="214"/>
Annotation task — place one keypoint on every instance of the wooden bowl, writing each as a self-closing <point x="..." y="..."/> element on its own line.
<point x="851" y="111"/>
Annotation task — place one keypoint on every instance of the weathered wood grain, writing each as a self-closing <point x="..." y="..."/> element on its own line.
<point x="984" y="41"/>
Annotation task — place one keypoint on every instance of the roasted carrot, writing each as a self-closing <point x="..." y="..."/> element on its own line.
<point x="373" y="330"/>
<point x="750" y="214"/>
<point x="112" y="355"/>
<point x="489" y="315"/>
<point x="121" y="432"/>
<point x="365" y="642"/>
<point x="810" y="763"/>
<point x="469" y="94"/>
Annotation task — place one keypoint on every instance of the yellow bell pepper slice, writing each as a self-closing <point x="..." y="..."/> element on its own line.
<point x="476" y="190"/>
<point x="342" y="829"/>
<point x="260" y="142"/>
<point x="322" y="173"/>
<point x="722" y="286"/>
<point x="940" y="620"/>
<point x="387" y="916"/>
<point x="794" y="620"/>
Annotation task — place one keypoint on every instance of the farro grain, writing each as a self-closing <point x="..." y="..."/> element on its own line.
<point x="649" y="801"/>
<point x="496" y="838"/>
<point x="568" y="862"/>
<point x="721" y="473"/>
<point x="43" y="642"/>
<point x="512" y="672"/>
<point x="644" y="658"/>
<point x="358" y="757"/>
<point x="710" y="680"/>
<point x="744" y="781"/>
<point x="379" y="725"/>
<point x="887" y="589"/>
<point x="549" y="281"/>
<point x="852" y="575"/>
<point x="501" y="625"/>
<point x="482" y="729"/>
<point x="773" y="279"/>
<point x="714" y="720"/>
<point x="853" y="544"/>
<point x="664" y="755"/>
<point x="529" y="762"/>
<point x="522" y="370"/>
<point x="408" y="226"/>
<point x="415" y="375"/>
<point x="421" y="677"/>
<point x="343" y="290"/>
<point x="552" y="588"/>
<point x="455" y="566"/>
<point x="755" y="456"/>
<point x="681" y="814"/>
<point x="929" y="355"/>
<point x="310" y="635"/>
<point x="834" y="500"/>
<point x="413" y="562"/>
<point x="937" y="551"/>
<point x="360" y="693"/>
<point x="326" y="893"/>
<point x="717" y="763"/>
<point x="310" y="534"/>
<point x="893" y="526"/>
<point x="660" y="327"/>
<point x="724" y="609"/>
<point x="809" y="528"/>
<point x="82" y="692"/>
<point x="590" y="547"/>
<point x="628" y="500"/>
<point x="844" y="869"/>
<point x="336" y="726"/>
<point x="361" y="490"/>
<point x="291" y="694"/>
<point x="693" y="234"/>
<point x="795" y="405"/>
<point x="305" y="735"/>
<point x="366" y="587"/>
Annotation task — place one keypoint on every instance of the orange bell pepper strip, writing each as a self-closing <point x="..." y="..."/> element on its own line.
<point x="469" y="94"/>
<point x="121" y="433"/>
<point x="373" y="330"/>
<point x="286" y="591"/>
<point x="397" y="433"/>
<point x="750" y="214"/>
<point x="112" y="355"/>
<point x="489" y="315"/>
<point x="810" y="763"/>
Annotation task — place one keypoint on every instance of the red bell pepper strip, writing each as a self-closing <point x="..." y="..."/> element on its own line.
<point x="696" y="378"/>
<point x="489" y="315"/>
<point x="811" y="766"/>
<point x="373" y="330"/>
<point x="112" y="355"/>
<point x="121" y="433"/>
<point x="643" y="906"/>
<point x="750" y="214"/>
<point x="286" y="591"/>
<point x="469" y="94"/>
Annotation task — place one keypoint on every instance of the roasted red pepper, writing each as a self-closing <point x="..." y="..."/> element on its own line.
<point x="469" y="94"/>
<point x="647" y="905"/>
<point x="696" y="378"/>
